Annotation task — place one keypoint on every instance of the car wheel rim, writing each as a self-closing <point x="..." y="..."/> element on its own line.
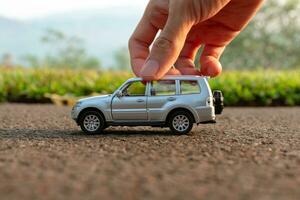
<point x="91" y="123"/>
<point x="181" y="123"/>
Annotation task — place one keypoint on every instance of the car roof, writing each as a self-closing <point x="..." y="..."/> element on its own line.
<point x="175" y="77"/>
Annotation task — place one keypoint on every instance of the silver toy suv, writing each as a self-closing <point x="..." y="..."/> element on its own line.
<point x="177" y="102"/>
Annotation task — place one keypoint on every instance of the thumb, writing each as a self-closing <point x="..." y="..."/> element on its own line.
<point x="166" y="48"/>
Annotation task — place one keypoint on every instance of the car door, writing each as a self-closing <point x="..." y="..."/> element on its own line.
<point x="131" y="105"/>
<point x="163" y="92"/>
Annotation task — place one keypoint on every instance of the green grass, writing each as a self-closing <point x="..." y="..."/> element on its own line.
<point x="247" y="88"/>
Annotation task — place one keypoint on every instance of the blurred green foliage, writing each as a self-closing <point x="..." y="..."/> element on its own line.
<point x="246" y="88"/>
<point x="31" y="85"/>
<point x="259" y="88"/>
<point x="64" y="52"/>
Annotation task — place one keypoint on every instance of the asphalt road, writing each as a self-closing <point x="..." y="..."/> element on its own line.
<point x="251" y="153"/>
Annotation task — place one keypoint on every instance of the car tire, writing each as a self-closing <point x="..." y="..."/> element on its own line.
<point x="92" y="122"/>
<point x="181" y="122"/>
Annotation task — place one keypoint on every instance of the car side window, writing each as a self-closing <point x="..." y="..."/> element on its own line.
<point x="135" y="89"/>
<point x="189" y="87"/>
<point x="163" y="88"/>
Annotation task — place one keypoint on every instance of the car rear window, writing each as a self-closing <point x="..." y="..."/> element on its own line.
<point x="189" y="87"/>
<point x="163" y="87"/>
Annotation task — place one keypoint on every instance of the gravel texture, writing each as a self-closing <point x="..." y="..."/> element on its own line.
<point x="251" y="153"/>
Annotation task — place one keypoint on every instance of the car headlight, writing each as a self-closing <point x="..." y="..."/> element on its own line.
<point x="77" y="105"/>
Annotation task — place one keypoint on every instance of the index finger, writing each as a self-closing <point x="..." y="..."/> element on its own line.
<point x="140" y="42"/>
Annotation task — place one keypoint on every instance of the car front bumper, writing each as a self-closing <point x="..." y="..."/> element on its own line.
<point x="75" y="112"/>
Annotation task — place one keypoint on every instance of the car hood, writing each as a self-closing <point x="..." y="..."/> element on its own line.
<point x="95" y="98"/>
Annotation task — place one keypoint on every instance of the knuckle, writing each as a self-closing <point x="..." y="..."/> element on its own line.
<point x="165" y="44"/>
<point x="154" y="15"/>
<point x="157" y="8"/>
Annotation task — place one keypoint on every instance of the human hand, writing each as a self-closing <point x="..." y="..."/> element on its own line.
<point x="186" y="25"/>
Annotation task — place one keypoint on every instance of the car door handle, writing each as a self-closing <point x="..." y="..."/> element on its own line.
<point x="171" y="99"/>
<point x="140" y="100"/>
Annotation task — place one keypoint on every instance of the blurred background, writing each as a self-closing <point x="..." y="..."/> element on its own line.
<point x="59" y="50"/>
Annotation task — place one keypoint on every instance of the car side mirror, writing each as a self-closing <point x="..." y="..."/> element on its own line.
<point x="119" y="94"/>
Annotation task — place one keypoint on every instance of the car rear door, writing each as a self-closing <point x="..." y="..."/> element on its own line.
<point x="190" y="93"/>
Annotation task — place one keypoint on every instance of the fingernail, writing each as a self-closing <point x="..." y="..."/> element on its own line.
<point x="150" y="69"/>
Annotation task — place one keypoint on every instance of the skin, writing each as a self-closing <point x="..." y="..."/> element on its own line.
<point x="185" y="26"/>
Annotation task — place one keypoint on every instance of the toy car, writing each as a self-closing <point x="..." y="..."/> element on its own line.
<point x="177" y="102"/>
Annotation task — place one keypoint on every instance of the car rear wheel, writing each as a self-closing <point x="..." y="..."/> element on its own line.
<point x="91" y="122"/>
<point x="181" y="122"/>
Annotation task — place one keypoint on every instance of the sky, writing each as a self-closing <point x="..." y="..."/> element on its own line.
<point x="27" y="9"/>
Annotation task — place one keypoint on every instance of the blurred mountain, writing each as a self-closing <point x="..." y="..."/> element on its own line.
<point x="103" y="32"/>
<point x="18" y="37"/>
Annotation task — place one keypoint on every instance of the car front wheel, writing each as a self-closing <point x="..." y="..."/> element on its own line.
<point x="91" y="122"/>
<point x="181" y="122"/>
